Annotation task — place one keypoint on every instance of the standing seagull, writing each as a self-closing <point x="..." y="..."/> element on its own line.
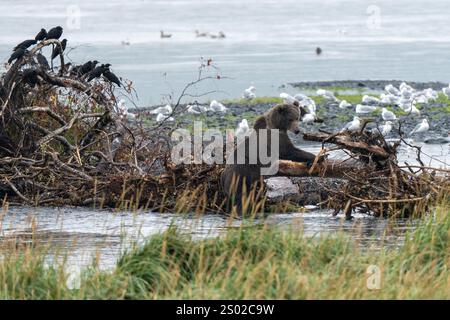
<point x="387" y="115"/>
<point x="421" y="127"/>
<point x="54" y="33"/>
<point x="41" y="35"/>
<point x="386" y="128"/>
<point x="354" y="125"/>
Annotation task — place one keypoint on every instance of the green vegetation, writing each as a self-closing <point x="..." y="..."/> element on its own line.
<point x="248" y="263"/>
<point x="252" y="102"/>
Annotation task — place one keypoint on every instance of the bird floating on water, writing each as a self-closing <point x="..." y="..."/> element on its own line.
<point x="165" y="35"/>
<point x="199" y="34"/>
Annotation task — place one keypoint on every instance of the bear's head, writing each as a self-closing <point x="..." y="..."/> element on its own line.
<point x="284" y="117"/>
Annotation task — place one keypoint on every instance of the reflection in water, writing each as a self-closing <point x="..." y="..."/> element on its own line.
<point x="83" y="234"/>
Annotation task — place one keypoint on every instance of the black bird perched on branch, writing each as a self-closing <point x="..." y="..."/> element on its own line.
<point x="111" y="77"/>
<point x="54" y="33"/>
<point x="57" y="50"/>
<point x="98" y="71"/>
<point x="25" y="44"/>
<point x="41" y="35"/>
<point x="30" y="76"/>
<point x="42" y="61"/>
<point x="19" y="53"/>
<point x="87" y="67"/>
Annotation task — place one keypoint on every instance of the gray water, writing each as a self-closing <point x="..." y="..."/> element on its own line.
<point x="82" y="234"/>
<point x="267" y="44"/>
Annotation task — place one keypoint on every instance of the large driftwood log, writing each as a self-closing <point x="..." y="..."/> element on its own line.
<point x="329" y="168"/>
<point x="380" y="149"/>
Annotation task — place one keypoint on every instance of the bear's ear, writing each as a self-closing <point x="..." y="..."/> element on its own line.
<point x="282" y="108"/>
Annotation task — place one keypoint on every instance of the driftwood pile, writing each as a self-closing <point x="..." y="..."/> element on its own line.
<point x="63" y="141"/>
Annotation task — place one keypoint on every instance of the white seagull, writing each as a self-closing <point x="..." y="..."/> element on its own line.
<point x="167" y="109"/>
<point x="446" y="91"/>
<point x="196" y="109"/>
<point x="386" y="128"/>
<point x="287" y="98"/>
<point x="163" y="117"/>
<point x="242" y="129"/>
<point x="301" y="97"/>
<point x="421" y="127"/>
<point x="370" y="100"/>
<point x="327" y="95"/>
<point x="354" y="125"/>
<point x="217" y="106"/>
<point x="388" y="115"/>
<point x="392" y="90"/>
<point x="309" y="118"/>
<point x="412" y="110"/>
<point x="360" y="108"/>
<point x="249" y="93"/>
<point x="344" y="104"/>
<point x="309" y="104"/>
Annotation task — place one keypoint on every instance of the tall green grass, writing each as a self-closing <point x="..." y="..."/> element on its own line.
<point x="248" y="263"/>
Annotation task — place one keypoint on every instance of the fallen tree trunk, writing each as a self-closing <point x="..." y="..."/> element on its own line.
<point x="327" y="169"/>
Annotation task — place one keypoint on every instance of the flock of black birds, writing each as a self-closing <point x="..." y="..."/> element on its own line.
<point x="88" y="70"/>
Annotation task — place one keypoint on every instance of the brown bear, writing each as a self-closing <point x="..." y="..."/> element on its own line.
<point x="243" y="184"/>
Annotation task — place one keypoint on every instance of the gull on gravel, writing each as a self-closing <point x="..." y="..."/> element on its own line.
<point x="421" y="127"/>
<point x="392" y="90"/>
<point x="386" y="128"/>
<point x="309" y="104"/>
<point x="287" y="98"/>
<point x="388" y="115"/>
<point x="344" y="104"/>
<point x="354" y="125"/>
<point x="327" y="95"/>
<point x="196" y="109"/>
<point x="446" y="91"/>
<point x="309" y="118"/>
<point x="360" y="108"/>
<point x="242" y="129"/>
<point x="163" y="117"/>
<point x="217" y="106"/>
<point x="370" y="100"/>
<point x="412" y="110"/>
<point x="167" y="109"/>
